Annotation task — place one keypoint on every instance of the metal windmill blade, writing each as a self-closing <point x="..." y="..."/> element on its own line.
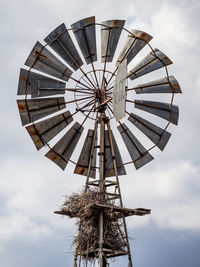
<point x="135" y="42"/>
<point x="34" y="109"/>
<point x="155" y="60"/>
<point x="42" y="132"/>
<point x="163" y="85"/>
<point x="157" y="135"/>
<point x="97" y="96"/>
<point x="88" y="156"/>
<point x="166" y="111"/>
<point x="84" y="31"/>
<point x="110" y="33"/>
<point x="43" y="60"/>
<point x="37" y="85"/>
<point x="60" y="41"/>
<point x="63" y="149"/>
<point x="138" y="153"/>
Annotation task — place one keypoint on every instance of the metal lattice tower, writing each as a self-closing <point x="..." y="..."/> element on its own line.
<point x="97" y="92"/>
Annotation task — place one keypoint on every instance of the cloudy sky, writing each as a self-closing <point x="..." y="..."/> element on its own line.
<point x="32" y="187"/>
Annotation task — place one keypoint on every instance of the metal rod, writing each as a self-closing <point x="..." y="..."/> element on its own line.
<point x="91" y="154"/>
<point x="104" y="68"/>
<point x="94" y="70"/>
<point x="119" y="191"/>
<point x="102" y="172"/>
<point x="79" y="91"/>
<point x="101" y="187"/>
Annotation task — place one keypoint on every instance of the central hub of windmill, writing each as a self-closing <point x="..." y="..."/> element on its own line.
<point x="100" y="87"/>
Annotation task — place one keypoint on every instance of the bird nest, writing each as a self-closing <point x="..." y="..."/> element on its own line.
<point x="87" y="242"/>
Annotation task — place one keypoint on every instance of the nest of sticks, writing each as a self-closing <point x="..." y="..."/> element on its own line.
<point x="80" y="206"/>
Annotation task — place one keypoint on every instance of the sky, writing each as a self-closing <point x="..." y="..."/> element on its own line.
<point x="32" y="187"/>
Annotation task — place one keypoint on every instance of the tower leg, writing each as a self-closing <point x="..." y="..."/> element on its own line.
<point x="119" y="191"/>
<point x="101" y="188"/>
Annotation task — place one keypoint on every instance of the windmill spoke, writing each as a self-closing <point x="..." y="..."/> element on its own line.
<point x="79" y="91"/>
<point x="77" y="100"/>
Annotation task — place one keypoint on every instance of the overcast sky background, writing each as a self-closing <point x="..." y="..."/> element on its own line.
<point x="32" y="187"/>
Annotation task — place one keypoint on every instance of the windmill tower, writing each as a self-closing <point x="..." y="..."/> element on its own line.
<point x="100" y="95"/>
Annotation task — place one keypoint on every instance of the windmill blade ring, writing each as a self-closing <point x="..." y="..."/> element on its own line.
<point x="97" y="90"/>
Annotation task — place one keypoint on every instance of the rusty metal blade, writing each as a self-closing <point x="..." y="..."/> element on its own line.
<point x="136" y="40"/>
<point x="42" y="132"/>
<point x="84" y="31"/>
<point x="119" y="93"/>
<point x="60" y="41"/>
<point x="164" y="110"/>
<point x="84" y="158"/>
<point x="138" y="153"/>
<point x="38" y="85"/>
<point x="156" y="134"/>
<point x="61" y="153"/>
<point x="110" y="34"/>
<point x="163" y="85"/>
<point x="109" y="166"/>
<point x="34" y="109"/>
<point x="43" y="60"/>
<point x="153" y="61"/>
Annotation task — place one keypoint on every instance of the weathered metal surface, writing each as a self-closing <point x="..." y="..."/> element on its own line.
<point x="84" y="158"/>
<point x="84" y="31"/>
<point x="38" y="85"/>
<point x="110" y="34"/>
<point x="138" y="153"/>
<point x="61" y="153"/>
<point x="109" y="167"/>
<point x="133" y="45"/>
<point x="60" y="41"/>
<point x="164" y="110"/>
<point x="34" y="109"/>
<point x="118" y="212"/>
<point x="159" y="86"/>
<point x="153" y="61"/>
<point x="43" y="60"/>
<point x="42" y="132"/>
<point x="119" y="92"/>
<point x="156" y="134"/>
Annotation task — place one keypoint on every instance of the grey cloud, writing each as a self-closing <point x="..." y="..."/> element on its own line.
<point x="32" y="187"/>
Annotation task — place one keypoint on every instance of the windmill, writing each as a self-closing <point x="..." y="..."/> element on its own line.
<point x="99" y="94"/>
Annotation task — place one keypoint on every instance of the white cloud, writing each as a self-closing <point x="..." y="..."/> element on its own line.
<point x="172" y="192"/>
<point x="31" y="187"/>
